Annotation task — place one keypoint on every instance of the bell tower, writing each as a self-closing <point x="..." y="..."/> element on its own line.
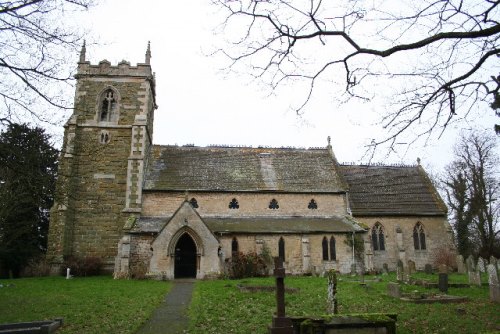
<point x="102" y="161"/>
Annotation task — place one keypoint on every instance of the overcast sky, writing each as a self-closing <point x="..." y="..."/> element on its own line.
<point x="200" y="104"/>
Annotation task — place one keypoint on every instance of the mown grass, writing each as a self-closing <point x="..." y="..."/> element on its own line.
<point x="88" y="305"/>
<point x="219" y="306"/>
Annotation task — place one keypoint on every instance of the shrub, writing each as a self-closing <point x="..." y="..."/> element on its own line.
<point x="242" y="265"/>
<point x="443" y="255"/>
<point x="87" y="266"/>
<point x="139" y="270"/>
<point x="37" y="268"/>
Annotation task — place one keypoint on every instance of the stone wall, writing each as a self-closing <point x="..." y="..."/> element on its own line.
<point x="399" y="244"/>
<point x="250" y="204"/>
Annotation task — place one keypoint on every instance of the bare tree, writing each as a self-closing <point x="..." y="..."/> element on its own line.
<point x="472" y="188"/>
<point x="433" y="58"/>
<point x="34" y="44"/>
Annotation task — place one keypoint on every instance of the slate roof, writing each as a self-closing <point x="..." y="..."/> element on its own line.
<point x="391" y="190"/>
<point x="182" y="168"/>
<point x="259" y="225"/>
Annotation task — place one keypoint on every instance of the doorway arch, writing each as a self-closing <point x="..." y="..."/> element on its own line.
<point x="185" y="258"/>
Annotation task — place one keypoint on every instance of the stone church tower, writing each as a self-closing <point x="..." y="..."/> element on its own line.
<point x="102" y="160"/>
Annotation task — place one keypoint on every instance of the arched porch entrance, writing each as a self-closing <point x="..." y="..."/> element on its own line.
<point x="185" y="264"/>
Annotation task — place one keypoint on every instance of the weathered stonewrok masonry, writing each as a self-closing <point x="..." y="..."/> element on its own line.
<point x="182" y="211"/>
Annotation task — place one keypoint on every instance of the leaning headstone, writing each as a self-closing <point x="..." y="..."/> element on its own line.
<point x="494" y="283"/>
<point x="399" y="271"/>
<point x="443" y="278"/>
<point x="481" y="266"/>
<point x="393" y="290"/>
<point x="411" y="267"/>
<point x="332" y="292"/>
<point x="428" y="269"/>
<point x="385" y="269"/>
<point x="460" y="264"/>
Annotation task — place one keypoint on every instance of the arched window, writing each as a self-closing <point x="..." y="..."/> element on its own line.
<point x="378" y="239"/>
<point x="329" y="254"/>
<point x="108" y="105"/>
<point x="281" y="249"/>
<point x="324" y="245"/>
<point x="234" y="247"/>
<point x="419" y="237"/>
<point x="333" y="252"/>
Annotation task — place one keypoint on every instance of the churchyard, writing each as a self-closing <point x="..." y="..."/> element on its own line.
<point x="101" y="304"/>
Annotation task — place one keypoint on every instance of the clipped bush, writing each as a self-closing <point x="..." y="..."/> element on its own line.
<point x="87" y="266"/>
<point x="251" y="264"/>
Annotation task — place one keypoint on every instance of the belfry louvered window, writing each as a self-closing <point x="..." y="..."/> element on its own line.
<point x="108" y="105"/>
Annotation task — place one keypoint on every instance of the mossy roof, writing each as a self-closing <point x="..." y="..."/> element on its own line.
<point x="181" y="168"/>
<point x="391" y="190"/>
<point x="335" y="224"/>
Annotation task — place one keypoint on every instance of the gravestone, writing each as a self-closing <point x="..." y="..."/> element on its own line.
<point x="399" y="271"/>
<point x="332" y="292"/>
<point x="460" y="264"/>
<point x="493" y="261"/>
<point x="494" y="283"/>
<point x="481" y="266"/>
<point x="281" y="324"/>
<point x="385" y="269"/>
<point x="393" y="290"/>
<point x="443" y="278"/>
<point x="471" y="266"/>
<point x="428" y="269"/>
<point x="411" y="267"/>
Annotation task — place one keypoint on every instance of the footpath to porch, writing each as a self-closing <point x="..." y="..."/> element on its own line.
<point x="171" y="316"/>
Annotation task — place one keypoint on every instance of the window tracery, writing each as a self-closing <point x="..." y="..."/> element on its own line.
<point x="378" y="237"/>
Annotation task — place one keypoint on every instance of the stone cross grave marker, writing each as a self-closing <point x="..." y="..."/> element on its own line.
<point x="281" y="324"/>
<point x="494" y="283"/>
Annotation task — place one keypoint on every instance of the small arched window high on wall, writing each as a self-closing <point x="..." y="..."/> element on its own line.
<point x="419" y="236"/>
<point x="324" y="246"/>
<point x="281" y="249"/>
<point x="108" y="105"/>
<point x="234" y="247"/>
<point x="378" y="238"/>
<point x="194" y="203"/>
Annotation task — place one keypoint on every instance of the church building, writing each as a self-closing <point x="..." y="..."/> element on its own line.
<point x="184" y="211"/>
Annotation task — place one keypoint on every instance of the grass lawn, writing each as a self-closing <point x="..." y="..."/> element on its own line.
<point x="88" y="305"/>
<point x="219" y="306"/>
